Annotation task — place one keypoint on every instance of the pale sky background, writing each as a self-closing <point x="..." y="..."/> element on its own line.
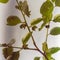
<point x="7" y="33"/>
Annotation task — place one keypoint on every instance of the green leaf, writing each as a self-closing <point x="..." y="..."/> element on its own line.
<point x="35" y="21"/>
<point x="14" y="56"/>
<point x="57" y="3"/>
<point x="57" y="18"/>
<point x="7" y="52"/>
<point x="52" y="58"/>
<point x="53" y="0"/>
<point x="45" y="47"/>
<point x="42" y="26"/>
<point x="13" y="20"/>
<point x="26" y="38"/>
<point x="37" y="58"/>
<point x="49" y="56"/>
<point x="55" y="31"/>
<point x="4" y="1"/>
<point x="46" y="8"/>
<point x="47" y="18"/>
<point x="54" y="50"/>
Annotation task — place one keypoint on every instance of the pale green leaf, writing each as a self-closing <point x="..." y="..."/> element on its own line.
<point x="35" y="21"/>
<point x="57" y="18"/>
<point x="26" y="38"/>
<point x="4" y="1"/>
<point x="37" y="58"/>
<point x="54" y="50"/>
<point x="13" y="20"/>
<point x="7" y="52"/>
<point x="55" y="31"/>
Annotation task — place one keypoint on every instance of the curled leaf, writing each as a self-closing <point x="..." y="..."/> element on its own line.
<point x="13" y="20"/>
<point x="34" y="28"/>
<point x="14" y="56"/>
<point x="7" y="51"/>
<point x="23" y="6"/>
<point x="23" y="25"/>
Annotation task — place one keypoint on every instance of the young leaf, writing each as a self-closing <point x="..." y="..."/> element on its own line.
<point x="7" y="52"/>
<point x="26" y="38"/>
<point x="45" y="47"/>
<point x="13" y="20"/>
<point x="54" y="50"/>
<point x="4" y="1"/>
<point x="57" y="3"/>
<point x="37" y="58"/>
<point x="57" y="18"/>
<point x="42" y="26"/>
<point x="55" y="31"/>
<point x="35" y="21"/>
<point x="14" y="56"/>
<point x="46" y="8"/>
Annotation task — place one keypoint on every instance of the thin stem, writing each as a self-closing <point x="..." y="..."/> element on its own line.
<point x="25" y="48"/>
<point x="47" y="35"/>
<point x="20" y="47"/>
<point x="47" y="31"/>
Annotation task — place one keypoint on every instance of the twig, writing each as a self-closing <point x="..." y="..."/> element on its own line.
<point x="32" y="35"/>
